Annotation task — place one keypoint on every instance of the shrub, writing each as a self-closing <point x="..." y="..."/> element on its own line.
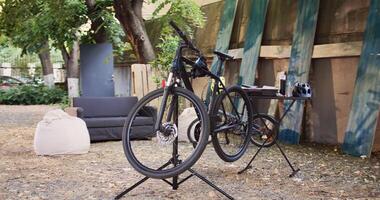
<point x="32" y="95"/>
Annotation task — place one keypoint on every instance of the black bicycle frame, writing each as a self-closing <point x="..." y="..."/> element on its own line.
<point x="178" y="73"/>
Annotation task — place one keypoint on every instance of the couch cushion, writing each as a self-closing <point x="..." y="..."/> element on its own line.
<point x="115" y="133"/>
<point x="105" y="122"/>
<point x="105" y="106"/>
<point x="98" y="122"/>
<point x="143" y="121"/>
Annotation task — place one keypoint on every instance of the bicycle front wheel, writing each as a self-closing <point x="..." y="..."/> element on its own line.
<point x="231" y="119"/>
<point x="157" y="153"/>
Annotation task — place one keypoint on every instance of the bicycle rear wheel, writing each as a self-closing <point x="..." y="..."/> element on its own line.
<point x="193" y="132"/>
<point x="231" y="120"/>
<point x="158" y="154"/>
<point x="264" y="130"/>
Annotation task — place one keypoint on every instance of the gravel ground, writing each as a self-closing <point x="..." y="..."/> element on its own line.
<point x="325" y="173"/>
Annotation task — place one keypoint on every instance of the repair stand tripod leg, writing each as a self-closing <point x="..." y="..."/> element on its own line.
<point x="253" y="158"/>
<point x="131" y="188"/>
<point x="175" y="184"/>
<point x="175" y="161"/>
<point x="208" y="182"/>
<point x="138" y="183"/>
<point x="287" y="160"/>
<point x="294" y="171"/>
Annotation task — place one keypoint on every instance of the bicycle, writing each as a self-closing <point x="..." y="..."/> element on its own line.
<point x="166" y="103"/>
<point x="225" y="114"/>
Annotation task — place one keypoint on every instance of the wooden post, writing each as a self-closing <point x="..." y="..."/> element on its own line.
<point x="361" y="128"/>
<point x="299" y="66"/>
<point x="224" y="36"/>
<point x="252" y="42"/>
<point x="225" y="30"/>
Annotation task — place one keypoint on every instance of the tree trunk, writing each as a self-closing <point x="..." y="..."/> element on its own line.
<point x="47" y="66"/>
<point x="100" y="34"/>
<point x="71" y="60"/>
<point x="129" y="13"/>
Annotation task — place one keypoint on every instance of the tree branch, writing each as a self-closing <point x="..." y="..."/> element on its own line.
<point x="65" y="55"/>
<point x="129" y="13"/>
<point x="137" y="8"/>
<point x="100" y="34"/>
<point x="90" y="4"/>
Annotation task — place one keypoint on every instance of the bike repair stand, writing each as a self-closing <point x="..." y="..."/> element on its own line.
<point x="174" y="160"/>
<point x="294" y="171"/>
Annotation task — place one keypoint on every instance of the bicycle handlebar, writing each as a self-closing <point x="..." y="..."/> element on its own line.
<point x="183" y="36"/>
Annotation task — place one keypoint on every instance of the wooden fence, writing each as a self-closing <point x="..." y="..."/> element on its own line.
<point x="336" y="46"/>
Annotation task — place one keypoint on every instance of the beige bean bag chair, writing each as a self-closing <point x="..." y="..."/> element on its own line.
<point x="60" y="133"/>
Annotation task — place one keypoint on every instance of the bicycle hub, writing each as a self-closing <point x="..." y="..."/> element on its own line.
<point x="167" y="134"/>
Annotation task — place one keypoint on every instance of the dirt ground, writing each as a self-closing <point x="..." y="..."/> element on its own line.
<point x="325" y="173"/>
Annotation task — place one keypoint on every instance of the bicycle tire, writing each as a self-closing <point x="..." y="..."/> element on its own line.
<point x="178" y="168"/>
<point x="216" y="117"/>
<point x="193" y="138"/>
<point x="265" y="130"/>
<point x="193" y="134"/>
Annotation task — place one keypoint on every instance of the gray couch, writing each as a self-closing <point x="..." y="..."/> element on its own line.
<point x="105" y="117"/>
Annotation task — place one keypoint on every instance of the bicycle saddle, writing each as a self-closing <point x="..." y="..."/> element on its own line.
<point x="223" y="56"/>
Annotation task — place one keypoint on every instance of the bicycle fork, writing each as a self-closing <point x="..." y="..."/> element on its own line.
<point x="160" y="114"/>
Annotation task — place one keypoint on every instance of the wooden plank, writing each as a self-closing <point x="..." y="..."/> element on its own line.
<point x="142" y="80"/>
<point x="211" y="29"/>
<point x="205" y="2"/>
<point x="145" y="79"/>
<point x="224" y="36"/>
<point x="138" y="80"/>
<point x="252" y="42"/>
<point x="360" y="132"/>
<point x="337" y="50"/>
<point x="225" y="30"/>
<point x="342" y="20"/>
<point x="151" y="85"/>
<point x="332" y="80"/>
<point x="275" y="51"/>
<point x="299" y="66"/>
<point x="334" y="50"/>
<point x="376" y="143"/>
<point x="343" y="84"/>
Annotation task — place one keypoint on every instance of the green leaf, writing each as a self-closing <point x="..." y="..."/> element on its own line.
<point x="188" y="16"/>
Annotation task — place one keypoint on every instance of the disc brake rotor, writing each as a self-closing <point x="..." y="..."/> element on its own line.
<point x="168" y="135"/>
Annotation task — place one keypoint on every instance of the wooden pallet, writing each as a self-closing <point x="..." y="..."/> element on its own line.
<point x="142" y="80"/>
